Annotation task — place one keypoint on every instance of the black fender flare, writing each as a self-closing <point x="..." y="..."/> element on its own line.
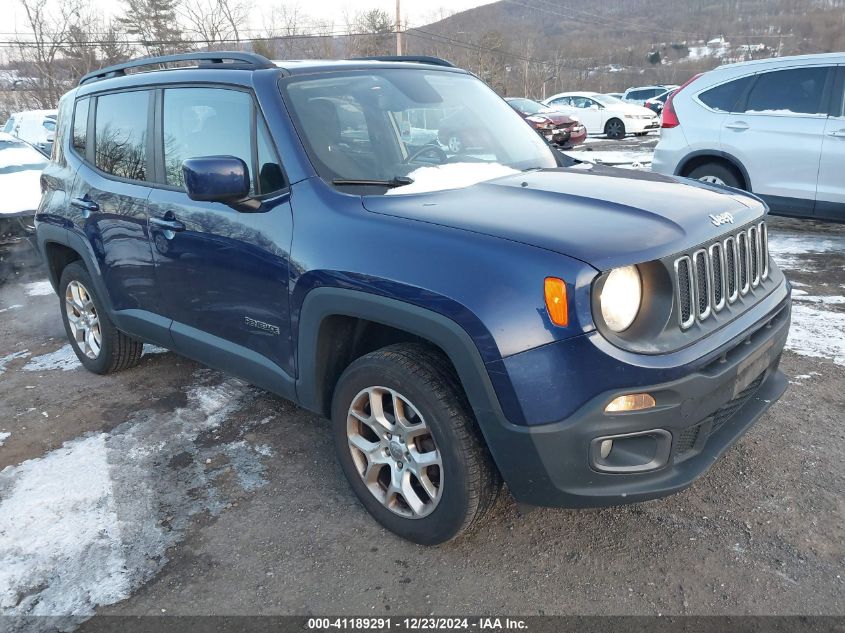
<point x="47" y="234"/>
<point x="439" y="330"/>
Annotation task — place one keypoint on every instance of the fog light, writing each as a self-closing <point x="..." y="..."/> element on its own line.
<point x="606" y="447"/>
<point x="631" y="402"/>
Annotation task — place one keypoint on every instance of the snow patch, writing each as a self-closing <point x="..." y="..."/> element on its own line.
<point x="87" y="524"/>
<point x="63" y="358"/>
<point x="38" y="288"/>
<point x="818" y="333"/>
<point x="787" y="249"/>
<point x="3" y="437"/>
<point x="827" y="300"/>
<point x="5" y="360"/>
<point x="452" y="176"/>
<point x="12" y="307"/>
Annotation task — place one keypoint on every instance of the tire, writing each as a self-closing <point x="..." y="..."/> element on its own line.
<point x="615" y="129"/>
<point x="716" y="173"/>
<point x="465" y="481"/>
<point x="115" y="350"/>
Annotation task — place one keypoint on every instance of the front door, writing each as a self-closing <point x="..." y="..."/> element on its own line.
<point x="830" y="193"/>
<point x="223" y="272"/>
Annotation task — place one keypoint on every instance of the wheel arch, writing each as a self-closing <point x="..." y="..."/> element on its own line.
<point x="337" y="325"/>
<point x="696" y="159"/>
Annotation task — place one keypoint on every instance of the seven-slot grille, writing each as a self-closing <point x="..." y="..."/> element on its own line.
<point x="717" y="275"/>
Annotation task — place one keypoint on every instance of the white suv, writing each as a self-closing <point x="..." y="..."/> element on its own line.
<point x="775" y="127"/>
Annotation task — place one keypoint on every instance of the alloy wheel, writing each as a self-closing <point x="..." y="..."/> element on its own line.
<point x="83" y="319"/>
<point x="713" y="180"/>
<point x="394" y="452"/>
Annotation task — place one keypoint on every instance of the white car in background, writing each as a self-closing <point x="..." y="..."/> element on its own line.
<point x="774" y="127"/>
<point x="36" y="127"/>
<point x="602" y="114"/>
<point x="640" y="95"/>
<point x="20" y="185"/>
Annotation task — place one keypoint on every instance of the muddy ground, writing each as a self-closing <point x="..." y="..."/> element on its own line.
<point x="171" y="488"/>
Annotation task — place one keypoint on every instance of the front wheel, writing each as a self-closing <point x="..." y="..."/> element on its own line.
<point x="407" y="442"/>
<point x="615" y="129"/>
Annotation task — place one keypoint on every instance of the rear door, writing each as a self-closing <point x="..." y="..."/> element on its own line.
<point x="777" y="135"/>
<point x="223" y="272"/>
<point x="109" y="198"/>
<point x="830" y="193"/>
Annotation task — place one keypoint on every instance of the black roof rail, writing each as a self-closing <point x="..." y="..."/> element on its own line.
<point x="211" y="59"/>
<point x="418" y="59"/>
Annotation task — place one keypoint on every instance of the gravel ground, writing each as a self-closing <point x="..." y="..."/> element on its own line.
<point x="171" y="488"/>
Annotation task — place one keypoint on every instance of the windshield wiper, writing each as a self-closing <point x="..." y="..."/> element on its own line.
<point x="396" y="181"/>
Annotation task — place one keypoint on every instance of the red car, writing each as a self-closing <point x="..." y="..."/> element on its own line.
<point x="558" y="128"/>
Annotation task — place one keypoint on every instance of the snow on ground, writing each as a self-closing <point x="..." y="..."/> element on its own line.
<point x="635" y="159"/>
<point x="65" y="359"/>
<point x="451" y="176"/>
<point x="88" y="523"/>
<point x="789" y="250"/>
<point x="817" y="332"/>
<point x="12" y="307"/>
<point x="3" y="437"/>
<point x="5" y="360"/>
<point x="39" y="288"/>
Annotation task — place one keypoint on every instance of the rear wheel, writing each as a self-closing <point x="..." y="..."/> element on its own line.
<point x="100" y="347"/>
<point x="615" y="129"/>
<point x="717" y="174"/>
<point x="408" y="444"/>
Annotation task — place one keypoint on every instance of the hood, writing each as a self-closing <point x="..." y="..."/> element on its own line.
<point x="558" y="118"/>
<point x="603" y="216"/>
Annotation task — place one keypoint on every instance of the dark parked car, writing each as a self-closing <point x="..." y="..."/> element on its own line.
<point x="657" y="103"/>
<point x="556" y="127"/>
<point x="589" y="336"/>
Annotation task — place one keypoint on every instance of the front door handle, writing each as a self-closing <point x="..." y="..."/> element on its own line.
<point x="839" y="133"/>
<point x="167" y="225"/>
<point x="739" y="125"/>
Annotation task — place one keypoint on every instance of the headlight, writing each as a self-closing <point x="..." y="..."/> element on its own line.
<point x="621" y="297"/>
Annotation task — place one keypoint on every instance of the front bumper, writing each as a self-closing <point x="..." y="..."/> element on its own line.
<point x="703" y="414"/>
<point x="635" y="126"/>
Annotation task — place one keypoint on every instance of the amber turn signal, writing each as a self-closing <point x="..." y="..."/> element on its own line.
<point x="631" y="402"/>
<point x="556" y="301"/>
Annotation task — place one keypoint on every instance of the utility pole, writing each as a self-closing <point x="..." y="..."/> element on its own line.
<point x="398" y="28"/>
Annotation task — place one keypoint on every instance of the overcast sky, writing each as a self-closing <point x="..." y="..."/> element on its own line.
<point x="415" y="12"/>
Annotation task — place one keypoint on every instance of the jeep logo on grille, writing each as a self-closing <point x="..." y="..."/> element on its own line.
<point x="722" y="218"/>
<point x="260" y="325"/>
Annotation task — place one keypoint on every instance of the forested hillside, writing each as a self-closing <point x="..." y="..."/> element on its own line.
<point x="607" y="45"/>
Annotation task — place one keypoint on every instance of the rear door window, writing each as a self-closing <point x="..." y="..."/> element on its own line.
<point x="725" y="97"/>
<point x="120" y="134"/>
<point x="794" y="91"/>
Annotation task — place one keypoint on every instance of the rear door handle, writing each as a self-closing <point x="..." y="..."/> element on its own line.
<point x="85" y="204"/>
<point x="168" y="225"/>
<point x="739" y="125"/>
<point x="839" y="133"/>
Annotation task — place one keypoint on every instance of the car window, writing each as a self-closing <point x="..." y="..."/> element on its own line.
<point x="794" y="91"/>
<point x="838" y="109"/>
<point x="270" y="175"/>
<point x="724" y="97"/>
<point x="562" y="101"/>
<point x="49" y="125"/>
<point x="120" y="134"/>
<point x="205" y="122"/>
<point x="582" y="102"/>
<point x="80" y="126"/>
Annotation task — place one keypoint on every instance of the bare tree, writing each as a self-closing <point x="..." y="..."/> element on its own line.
<point x="214" y="22"/>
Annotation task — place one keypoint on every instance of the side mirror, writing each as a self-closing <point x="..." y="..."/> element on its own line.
<point x="216" y="179"/>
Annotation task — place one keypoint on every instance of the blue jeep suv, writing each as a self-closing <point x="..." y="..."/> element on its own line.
<point x="465" y="312"/>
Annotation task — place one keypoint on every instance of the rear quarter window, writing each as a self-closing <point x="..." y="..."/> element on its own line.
<point x="793" y="91"/>
<point x="79" y="140"/>
<point x="725" y="97"/>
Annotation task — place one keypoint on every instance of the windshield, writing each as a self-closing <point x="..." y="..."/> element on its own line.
<point x="381" y="126"/>
<point x="606" y="100"/>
